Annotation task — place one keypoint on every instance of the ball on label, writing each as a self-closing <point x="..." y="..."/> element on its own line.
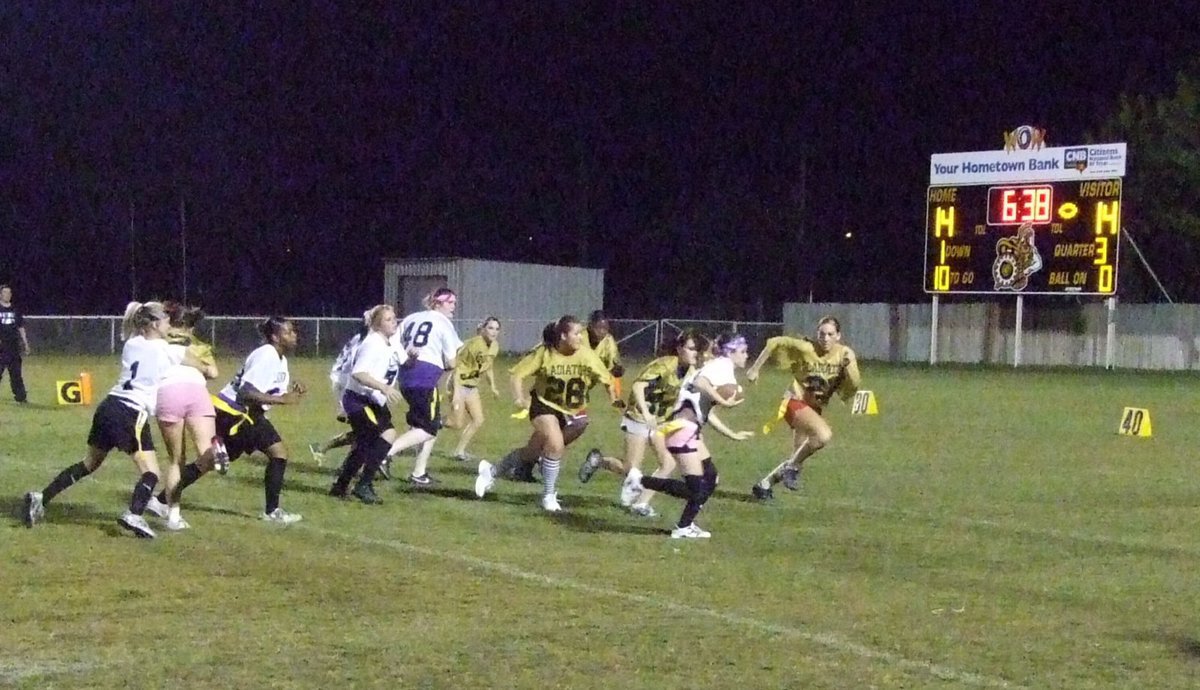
<point x="730" y="391"/>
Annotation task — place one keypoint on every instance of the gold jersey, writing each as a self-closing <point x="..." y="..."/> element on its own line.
<point x="474" y="358"/>
<point x="562" y="381"/>
<point x="606" y="350"/>
<point x="663" y="380"/>
<point x="819" y="375"/>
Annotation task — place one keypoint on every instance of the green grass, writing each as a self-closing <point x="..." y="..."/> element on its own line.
<point x="988" y="527"/>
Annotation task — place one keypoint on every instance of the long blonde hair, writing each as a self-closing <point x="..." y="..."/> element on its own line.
<point x="139" y="315"/>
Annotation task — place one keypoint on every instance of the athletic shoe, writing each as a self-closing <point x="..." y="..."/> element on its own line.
<point x="761" y="493"/>
<point x="177" y="525"/>
<point x="631" y="488"/>
<point x="137" y="525"/>
<point x="157" y="507"/>
<point x="317" y="454"/>
<point x="550" y="503"/>
<point x="791" y="478"/>
<point x="644" y="510"/>
<point x="366" y="494"/>
<point x="385" y="469"/>
<point x="692" y="531"/>
<point x="423" y="480"/>
<point x="464" y="457"/>
<point x="34" y="510"/>
<point x="220" y="455"/>
<point x="338" y="491"/>
<point x="280" y="516"/>
<point x="590" y="464"/>
<point x="486" y="479"/>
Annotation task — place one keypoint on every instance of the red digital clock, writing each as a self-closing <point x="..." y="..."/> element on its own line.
<point x="1017" y="205"/>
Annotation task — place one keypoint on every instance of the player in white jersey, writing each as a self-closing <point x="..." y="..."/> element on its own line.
<point x="373" y="375"/>
<point x="339" y="378"/>
<point x="431" y="344"/>
<point x="263" y="381"/>
<point x="122" y="418"/>
<point x="697" y="397"/>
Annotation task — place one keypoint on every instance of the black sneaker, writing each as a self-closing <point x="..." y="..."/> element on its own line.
<point x="366" y="494"/>
<point x="791" y="478"/>
<point x="384" y="470"/>
<point x="761" y="493"/>
<point x="424" y="480"/>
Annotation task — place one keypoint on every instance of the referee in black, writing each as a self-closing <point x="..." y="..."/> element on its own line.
<point x="13" y="343"/>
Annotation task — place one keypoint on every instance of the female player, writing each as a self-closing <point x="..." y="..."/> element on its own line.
<point x="600" y="339"/>
<point x="713" y="384"/>
<point x="430" y="342"/>
<point x="184" y="401"/>
<point x="474" y="360"/>
<point x="339" y="378"/>
<point x="121" y="420"/>
<point x="563" y="371"/>
<point x="263" y="382"/>
<point x="651" y="399"/>
<point x="820" y="369"/>
<point x="373" y="375"/>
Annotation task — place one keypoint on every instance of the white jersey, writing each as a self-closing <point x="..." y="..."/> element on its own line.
<point x="339" y="375"/>
<point x="432" y="333"/>
<point x="378" y="357"/>
<point x="266" y="370"/>
<point x="719" y="372"/>
<point x="144" y="362"/>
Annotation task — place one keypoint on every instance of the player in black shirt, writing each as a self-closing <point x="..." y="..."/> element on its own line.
<point x="13" y="343"/>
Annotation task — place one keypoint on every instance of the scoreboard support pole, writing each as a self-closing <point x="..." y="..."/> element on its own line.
<point x="1017" y="329"/>
<point x="1110" y="335"/>
<point x="933" y="331"/>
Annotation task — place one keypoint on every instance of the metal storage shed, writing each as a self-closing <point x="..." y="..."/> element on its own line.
<point x="523" y="296"/>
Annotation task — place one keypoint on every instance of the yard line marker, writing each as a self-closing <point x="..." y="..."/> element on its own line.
<point x="825" y="639"/>
<point x="13" y="670"/>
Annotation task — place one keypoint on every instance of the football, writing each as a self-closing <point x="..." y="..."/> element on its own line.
<point x="730" y="391"/>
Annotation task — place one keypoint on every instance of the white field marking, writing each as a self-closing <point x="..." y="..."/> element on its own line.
<point x="825" y="639"/>
<point x="13" y="670"/>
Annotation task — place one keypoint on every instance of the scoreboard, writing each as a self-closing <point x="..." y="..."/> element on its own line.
<point x="1028" y="224"/>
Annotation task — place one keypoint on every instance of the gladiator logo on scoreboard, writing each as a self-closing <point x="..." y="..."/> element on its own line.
<point x="1017" y="259"/>
<point x="1076" y="158"/>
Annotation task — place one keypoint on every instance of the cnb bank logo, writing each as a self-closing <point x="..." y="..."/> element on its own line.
<point x="1076" y="158"/>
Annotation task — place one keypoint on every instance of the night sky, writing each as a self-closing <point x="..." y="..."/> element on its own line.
<point x="308" y="140"/>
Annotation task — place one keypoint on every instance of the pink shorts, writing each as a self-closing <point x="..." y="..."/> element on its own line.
<point x="179" y="401"/>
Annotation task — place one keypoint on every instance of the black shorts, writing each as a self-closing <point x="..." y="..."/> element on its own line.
<point x="117" y="425"/>
<point x="424" y="409"/>
<point x="245" y="433"/>
<point x="370" y="420"/>
<point x="539" y="408"/>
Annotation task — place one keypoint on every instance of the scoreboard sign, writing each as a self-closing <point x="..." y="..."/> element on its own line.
<point x="1030" y="222"/>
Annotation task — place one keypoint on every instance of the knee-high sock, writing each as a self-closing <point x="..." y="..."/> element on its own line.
<point x="672" y="487"/>
<point x="64" y="480"/>
<point x="142" y="491"/>
<point x="273" y="482"/>
<point x="187" y="476"/>
<point x="373" y="456"/>
<point x="549" y="474"/>
<point x="696" y="484"/>
<point x="350" y="466"/>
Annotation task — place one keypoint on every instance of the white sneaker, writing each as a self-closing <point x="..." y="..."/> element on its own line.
<point x="631" y="488"/>
<point x="280" y="516"/>
<point x="177" y="525"/>
<point x="550" y="503"/>
<point x="34" y="509"/>
<point x="137" y="525"/>
<point x="157" y="507"/>
<point x="692" y="531"/>
<point x="486" y="479"/>
<point x="643" y="509"/>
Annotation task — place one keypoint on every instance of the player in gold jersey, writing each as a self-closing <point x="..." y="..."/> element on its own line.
<point x="651" y="400"/>
<point x="820" y="368"/>
<point x="599" y="339"/>
<point x="563" y="371"/>
<point x="473" y="361"/>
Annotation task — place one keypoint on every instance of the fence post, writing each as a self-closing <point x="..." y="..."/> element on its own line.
<point x="112" y="337"/>
<point x="317" y="340"/>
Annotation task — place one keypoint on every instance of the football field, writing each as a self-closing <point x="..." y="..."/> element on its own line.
<point x="988" y="528"/>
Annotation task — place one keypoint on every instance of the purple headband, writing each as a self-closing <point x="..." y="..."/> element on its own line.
<point x="737" y="343"/>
